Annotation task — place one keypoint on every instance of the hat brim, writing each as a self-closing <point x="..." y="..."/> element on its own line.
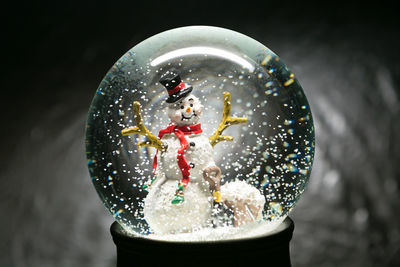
<point x="182" y="93"/>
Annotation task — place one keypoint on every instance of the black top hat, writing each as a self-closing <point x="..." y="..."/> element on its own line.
<point x="175" y="87"/>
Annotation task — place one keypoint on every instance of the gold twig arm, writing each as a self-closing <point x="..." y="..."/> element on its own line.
<point x="141" y="129"/>
<point x="227" y="121"/>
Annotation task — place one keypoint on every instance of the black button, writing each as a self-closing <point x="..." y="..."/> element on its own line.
<point x="191" y="165"/>
<point x="192" y="144"/>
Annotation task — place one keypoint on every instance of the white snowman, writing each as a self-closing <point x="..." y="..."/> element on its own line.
<point x="187" y="181"/>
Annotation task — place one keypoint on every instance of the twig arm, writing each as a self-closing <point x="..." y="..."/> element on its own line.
<point x="141" y="129"/>
<point x="227" y="121"/>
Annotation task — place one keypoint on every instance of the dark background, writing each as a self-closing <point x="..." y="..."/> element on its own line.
<point x="346" y="56"/>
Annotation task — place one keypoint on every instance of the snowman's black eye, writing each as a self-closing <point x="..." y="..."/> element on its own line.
<point x="182" y="107"/>
<point x="191" y="105"/>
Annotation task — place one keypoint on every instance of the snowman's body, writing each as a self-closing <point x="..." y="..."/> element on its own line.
<point x="199" y="152"/>
<point x="165" y="217"/>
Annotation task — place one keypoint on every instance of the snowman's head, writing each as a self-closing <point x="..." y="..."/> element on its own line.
<point x="186" y="111"/>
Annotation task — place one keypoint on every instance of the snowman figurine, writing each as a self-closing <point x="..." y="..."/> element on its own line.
<point x="187" y="181"/>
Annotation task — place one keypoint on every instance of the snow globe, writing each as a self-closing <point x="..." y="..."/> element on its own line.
<point x="199" y="135"/>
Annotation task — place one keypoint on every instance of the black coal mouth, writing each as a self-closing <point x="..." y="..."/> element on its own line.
<point x="188" y="118"/>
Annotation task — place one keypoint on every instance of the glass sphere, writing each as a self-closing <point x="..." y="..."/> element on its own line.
<point x="199" y="133"/>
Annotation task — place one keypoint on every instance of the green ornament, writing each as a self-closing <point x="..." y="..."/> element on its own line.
<point x="178" y="200"/>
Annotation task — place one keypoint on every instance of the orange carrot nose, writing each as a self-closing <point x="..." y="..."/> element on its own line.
<point x="188" y="109"/>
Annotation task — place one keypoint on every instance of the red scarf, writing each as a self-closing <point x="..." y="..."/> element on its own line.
<point x="180" y="132"/>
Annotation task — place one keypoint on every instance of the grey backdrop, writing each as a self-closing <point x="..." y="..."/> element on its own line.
<point x="345" y="56"/>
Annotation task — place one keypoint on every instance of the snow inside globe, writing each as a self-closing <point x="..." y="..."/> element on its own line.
<point x="199" y="133"/>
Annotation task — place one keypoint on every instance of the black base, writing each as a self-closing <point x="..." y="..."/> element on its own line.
<point x="270" y="250"/>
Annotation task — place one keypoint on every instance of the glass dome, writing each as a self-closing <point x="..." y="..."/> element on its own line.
<point x="199" y="133"/>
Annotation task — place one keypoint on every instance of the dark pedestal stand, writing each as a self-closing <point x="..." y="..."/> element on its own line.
<point x="270" y="250"/>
